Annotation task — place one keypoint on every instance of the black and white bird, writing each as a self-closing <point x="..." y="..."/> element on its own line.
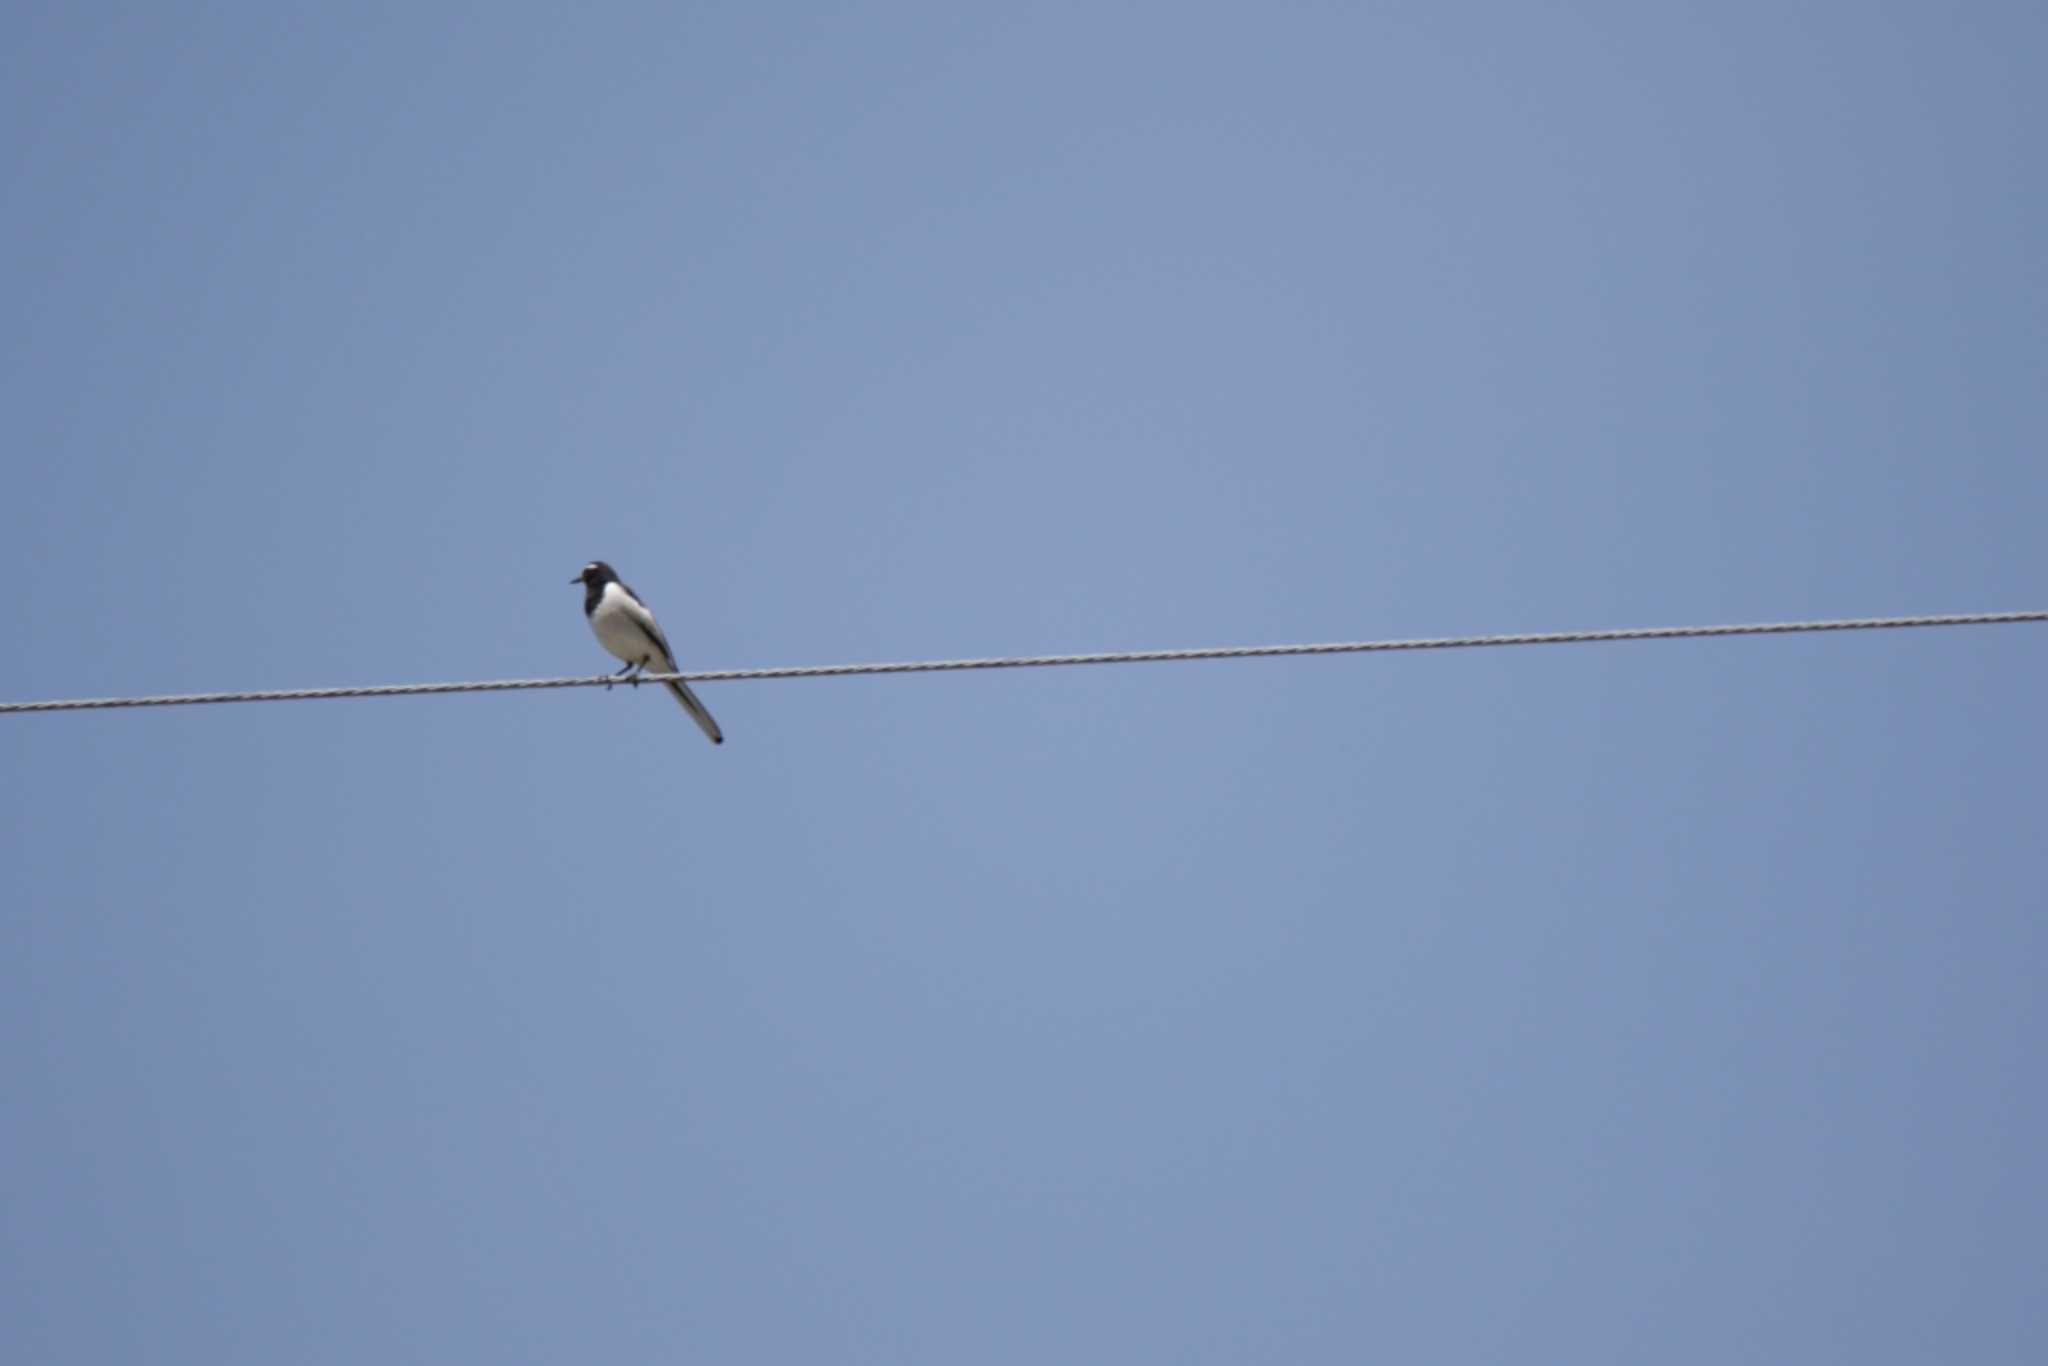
<point x="626" y="628"/>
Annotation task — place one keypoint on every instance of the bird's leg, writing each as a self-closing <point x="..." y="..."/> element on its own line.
<point x="615" y="674"/>
<point x="639" y="669"/>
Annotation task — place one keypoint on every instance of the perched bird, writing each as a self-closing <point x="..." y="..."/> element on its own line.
<point x="626" y="628"/>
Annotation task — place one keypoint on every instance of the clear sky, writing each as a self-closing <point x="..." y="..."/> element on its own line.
<point x="1676" y="1002"/>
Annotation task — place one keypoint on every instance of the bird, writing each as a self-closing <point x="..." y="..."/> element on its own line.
<point x="624" y="626"/>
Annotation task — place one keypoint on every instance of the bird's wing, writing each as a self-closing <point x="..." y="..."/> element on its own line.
<point x="644" y="619"/>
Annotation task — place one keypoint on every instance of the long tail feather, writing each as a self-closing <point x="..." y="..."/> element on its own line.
<point x="697" y="712"/>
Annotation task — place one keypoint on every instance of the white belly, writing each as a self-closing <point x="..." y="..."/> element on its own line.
<point x="619" y="633"/>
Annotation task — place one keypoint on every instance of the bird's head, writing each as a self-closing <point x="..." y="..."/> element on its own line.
<point x="596" y="574"/>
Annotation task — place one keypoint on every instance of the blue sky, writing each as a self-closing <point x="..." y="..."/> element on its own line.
<point x="1676" y="1001"/>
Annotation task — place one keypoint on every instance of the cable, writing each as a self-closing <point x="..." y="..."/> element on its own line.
<point x="1777" y="628"/>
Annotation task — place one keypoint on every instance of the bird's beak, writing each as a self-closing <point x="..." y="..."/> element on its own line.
<point x="577" y="579"/>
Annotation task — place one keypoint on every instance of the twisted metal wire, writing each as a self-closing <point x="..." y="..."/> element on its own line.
<point x="1776" y="628"/>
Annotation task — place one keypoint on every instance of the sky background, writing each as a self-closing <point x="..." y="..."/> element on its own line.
<point x="1678" y="1002"/>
